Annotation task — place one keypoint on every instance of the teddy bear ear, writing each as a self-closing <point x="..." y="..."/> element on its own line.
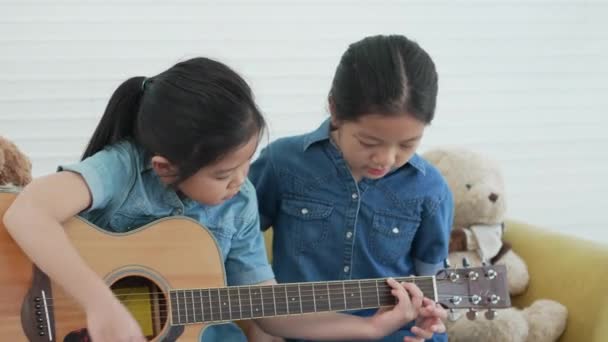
<point x="15" y="166"/>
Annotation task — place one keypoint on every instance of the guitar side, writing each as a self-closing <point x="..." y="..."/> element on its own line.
<point x="15" y="279"/>
<point x="166" y="254"/>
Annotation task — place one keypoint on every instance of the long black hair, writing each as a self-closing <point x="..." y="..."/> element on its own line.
<point x="386" y="75"/>
<point x="192" y="114"/>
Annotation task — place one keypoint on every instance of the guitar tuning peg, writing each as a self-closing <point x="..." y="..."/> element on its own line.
<point x="491" y="274"/>
<point x="472" y="314"/>
<point x="453" y="315"/>
<point x="490" y="314"/>
<point x="465" y="262"/>
<point x="446" y="263"/>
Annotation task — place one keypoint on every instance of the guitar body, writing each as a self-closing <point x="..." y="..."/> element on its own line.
<point x="172" y="253"/>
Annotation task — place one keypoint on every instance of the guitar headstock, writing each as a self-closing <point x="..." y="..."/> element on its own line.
<point x="474" y="288"/>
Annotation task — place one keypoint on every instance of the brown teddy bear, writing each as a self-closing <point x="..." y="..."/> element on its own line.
<point x="478" y="189"/>
<point x="15" y="167"/>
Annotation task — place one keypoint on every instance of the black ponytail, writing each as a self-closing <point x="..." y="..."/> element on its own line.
<point x="118" y="120"/>
<point x="193" y="114"/>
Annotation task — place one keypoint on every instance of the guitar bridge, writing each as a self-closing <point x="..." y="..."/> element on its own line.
<point x="37" y="319"/>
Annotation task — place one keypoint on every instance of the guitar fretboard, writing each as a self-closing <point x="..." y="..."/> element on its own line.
<point x="245" y="302"/>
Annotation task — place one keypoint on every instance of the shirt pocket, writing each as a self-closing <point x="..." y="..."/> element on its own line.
<point x="133" y="213"/>
<point x="392" y="235"/>
<point x="124" y="221"/>
<point x="307" y="221"/>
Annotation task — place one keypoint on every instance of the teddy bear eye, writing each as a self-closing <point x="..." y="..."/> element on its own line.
<point x="468" y="186"/>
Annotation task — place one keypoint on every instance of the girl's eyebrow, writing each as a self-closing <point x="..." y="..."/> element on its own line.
<point x="234" y="168"/>
<point x="370" y="137"/>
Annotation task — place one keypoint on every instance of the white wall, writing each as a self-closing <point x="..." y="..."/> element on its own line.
<point x="520" y="80"/>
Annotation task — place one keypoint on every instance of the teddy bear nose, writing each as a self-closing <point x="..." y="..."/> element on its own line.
<point x="493" y="197"/>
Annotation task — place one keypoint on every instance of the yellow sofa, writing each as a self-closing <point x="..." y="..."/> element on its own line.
<point x="569" y="270"/>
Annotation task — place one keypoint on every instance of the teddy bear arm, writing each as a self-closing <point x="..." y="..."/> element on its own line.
<point x="517" y="272"/>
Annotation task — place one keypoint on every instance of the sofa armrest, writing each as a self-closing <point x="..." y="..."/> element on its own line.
<point x="569" y="270"/>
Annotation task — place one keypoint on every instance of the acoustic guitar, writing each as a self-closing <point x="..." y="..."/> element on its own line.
<point x="170" y="276"/>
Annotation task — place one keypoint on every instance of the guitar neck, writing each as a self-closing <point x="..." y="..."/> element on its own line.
<point x="190" y="306"/>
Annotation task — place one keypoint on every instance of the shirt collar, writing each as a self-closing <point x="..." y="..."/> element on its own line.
<point x="320" y="134"/>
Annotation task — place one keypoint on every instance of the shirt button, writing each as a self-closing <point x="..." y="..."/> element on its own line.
<point x="354" y="196"/>
<point x="346" y="269"/>
<point x="395" y="230"/>
<point x="178" y="211"/>
<point x="349" y="235"/>
<point x="304" y="211"/>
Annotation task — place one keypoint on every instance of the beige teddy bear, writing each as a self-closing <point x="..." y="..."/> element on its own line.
<point x="478" y="188"/>
<point x="15" y="167"/>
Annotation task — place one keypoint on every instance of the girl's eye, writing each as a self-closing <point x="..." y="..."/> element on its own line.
<point x="223" y="177"/>
<point x="406" y="147"/>
<point x="364" y="144"/>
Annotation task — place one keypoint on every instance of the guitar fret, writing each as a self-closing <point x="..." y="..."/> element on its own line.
<point x="245" y="300"/>
<point x="360" y="293"/>
<point x="210" y="305"/>
<point x="321" y="297"/>
<point x="286" y="299"/>
<point x="233" y="293"/>
<point x="314" y="299"/>
<point x="250" y="302"/>
<point x="300" y="297"/>
<point x="193" y="309"/>
<point x="377" y="291"/>
<point x="268" y="306"/>
<point x="336" y="296"/>
<point x="369" y="294"/>
<point x="281" y="300"/>
<point x="262" y="302"/>
<point x="307" y="298"/>
<point x="219" y="303"/>
<point x="293" y="295"/>
<point x="256" y="300"/>
<point x="274" y="300"/>
<point x="229" y="306"/>
<point x="237" y="300"/>
<point x="344" y="294"/>
<point x="238" y="291"/>
<point x="202" y="304"/>
<point x="179" y="309"/>
<point x="328" y="297"/>
<point x="352" y="293"/>
<point x="186" y="306"/>
<point x="174" y="307"/>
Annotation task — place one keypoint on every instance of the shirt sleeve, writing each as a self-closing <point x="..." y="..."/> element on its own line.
<point x="431" y="243"/>
<point x="107" y="173"/>
<point x="247" y="261"/>
<point x="264" y="178"/>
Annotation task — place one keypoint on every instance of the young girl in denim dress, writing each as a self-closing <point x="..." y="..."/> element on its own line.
<point x="178" y="143"/>
<point x="352" y="199"/>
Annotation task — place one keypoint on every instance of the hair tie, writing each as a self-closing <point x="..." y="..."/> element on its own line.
<point x="143" y="84"/>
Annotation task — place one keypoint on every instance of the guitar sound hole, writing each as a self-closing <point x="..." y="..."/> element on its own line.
<point x="146" y="302"/>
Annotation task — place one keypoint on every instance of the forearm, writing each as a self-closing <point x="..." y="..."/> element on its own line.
<point x="320" y="326"/>
<point x="43" y="240"/>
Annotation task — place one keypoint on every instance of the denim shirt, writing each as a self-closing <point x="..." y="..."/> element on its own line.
<point x="126" y="194"/>
<point x="327" y="226"/>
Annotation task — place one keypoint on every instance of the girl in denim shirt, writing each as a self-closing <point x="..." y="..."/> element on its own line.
<point x="178" y="143"/>
<point x="352" y="199"/>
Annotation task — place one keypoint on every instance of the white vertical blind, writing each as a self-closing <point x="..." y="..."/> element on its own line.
<point x="523" y="81"/>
